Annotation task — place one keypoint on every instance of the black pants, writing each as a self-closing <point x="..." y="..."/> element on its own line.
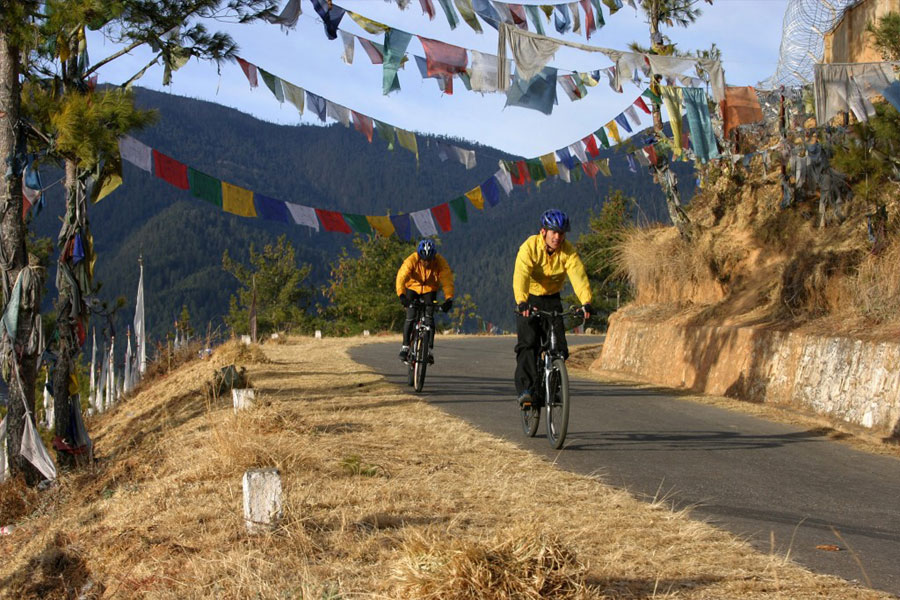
<point x="429" y="298"/>
<point x="529" y="340"/>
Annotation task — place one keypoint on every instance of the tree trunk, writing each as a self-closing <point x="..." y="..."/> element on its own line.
<point x="14" y="257"/>
<point x="67" y="348"/>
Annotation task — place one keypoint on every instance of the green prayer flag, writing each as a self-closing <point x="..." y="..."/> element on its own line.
<point x="395" y="43"/>
<point x="532" y="11"/>
<point x="577" y="172"/>
<point x="599" y="13"/>
<point x="459" y="208"/>
<point x="601" y="133"/>
<point x="468" y="14"/>
<point x="452" y="19"/>
<point x="385" y="132"/>
<point x="359" y="223"/>
<point x="205" y="187"/>
<point x="648" y="93"/>
<point x="536" y="170"/>
<point x="273" y="83"/>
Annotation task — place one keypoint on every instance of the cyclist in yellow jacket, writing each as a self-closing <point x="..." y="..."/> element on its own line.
<point x="420" y="276"/>
<point x="542" y="264"/>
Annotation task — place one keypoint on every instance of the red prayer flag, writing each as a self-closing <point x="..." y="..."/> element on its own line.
<point x="170" y="170"/>
<point x="590" y="168"/>
<point x="250" y="71"/>
<point x="590" y="146"/>
<point x="333" y="221"/>
<point x="590" y="24"/>
<point x="441" y="214"/>
<point x="374" y="53"/>
<point x="363" y="124"/>
<point x="518" y="14"/>
<point x="442" y="58"/>
<point x="642" y="105"/>
<point x="522" y="177"/>
<point x="651" y="154"/>
<point x="427" y="8"/>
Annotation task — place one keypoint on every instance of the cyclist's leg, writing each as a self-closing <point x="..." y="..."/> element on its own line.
<point x="528" y="334"/>
<point x="410" y="317"/>
<point x="429" y="298"/>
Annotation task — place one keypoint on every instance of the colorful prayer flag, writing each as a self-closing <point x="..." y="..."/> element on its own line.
<point x="237" y="200"/>
<point x="205" y="187"/>
<point x="382" y="225"/>
<point x="170" y="170"/>
<point x="441" y="214"/>
<point x="332" y="221"/>
<point x="271" y="209"/>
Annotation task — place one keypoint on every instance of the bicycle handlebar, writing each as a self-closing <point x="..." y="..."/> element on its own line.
<point x="534" y="311"/>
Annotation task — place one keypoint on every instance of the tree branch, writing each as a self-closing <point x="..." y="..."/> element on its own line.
<point x="112" y="57"/>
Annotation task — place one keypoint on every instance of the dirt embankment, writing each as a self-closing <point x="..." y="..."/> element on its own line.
<point x="384" y="496"/>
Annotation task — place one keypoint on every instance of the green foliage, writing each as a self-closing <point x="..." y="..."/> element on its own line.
<point x="886" y="35"/>
<point x="464" y="314"/>
<point x="281" y="297"/>
<point x="362" y="289"/>
<point x="597" y="249"/>
<point x="184" y="322"/>
<point x="868" y="157"/>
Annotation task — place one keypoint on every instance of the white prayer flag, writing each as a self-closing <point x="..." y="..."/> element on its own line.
<point x="504" y="179"/>
<point x="578" y="150"/>
<point x="303" y="215"/>
<point x="424" y="222"/>
<point x="127" y="381"/>
<point x="135" y="152"/>
<point x="33" y="450"/>
<point x="338" y="112"/>
<point x="140" y="333"/>
<point x="4" y="463"/>
<point x="349" y="40"/>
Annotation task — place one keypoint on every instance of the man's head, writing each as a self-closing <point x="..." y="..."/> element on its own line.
<point x="427" y="250"/>
<point x="554" y="226"/>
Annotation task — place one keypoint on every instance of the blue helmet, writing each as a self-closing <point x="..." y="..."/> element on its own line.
<point x="427" y="250"/>
<point x="555" y="220"/>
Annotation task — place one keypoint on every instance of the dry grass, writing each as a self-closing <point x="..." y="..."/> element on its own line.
<point x="385" y="497"/>
<point x="753" y="263"/>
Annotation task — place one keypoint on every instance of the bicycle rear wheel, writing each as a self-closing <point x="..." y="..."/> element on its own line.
<point x="421" y="362"/>
<point x="558" y="404"/>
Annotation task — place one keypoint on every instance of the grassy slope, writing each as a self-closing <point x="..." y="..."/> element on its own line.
<point x="384" y="496"/>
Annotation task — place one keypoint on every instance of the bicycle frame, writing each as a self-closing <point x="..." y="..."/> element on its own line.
<point x="549" y="349"/>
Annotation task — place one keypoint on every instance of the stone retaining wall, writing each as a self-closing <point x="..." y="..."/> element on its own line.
<point x="848" y="379"/>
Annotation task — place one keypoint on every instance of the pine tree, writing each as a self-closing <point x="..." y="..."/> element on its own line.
<point x="281" y="298"/>
<point x="64" y="115"/>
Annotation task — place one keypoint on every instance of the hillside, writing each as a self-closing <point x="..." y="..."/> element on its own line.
<point x="182" y="238"/>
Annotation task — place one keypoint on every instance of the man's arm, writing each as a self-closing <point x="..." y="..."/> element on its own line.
<point x="522" y="274"/>
<point x="445" y="277"/>
<point x="403" y="276"/>
<point x="578" y="277"/>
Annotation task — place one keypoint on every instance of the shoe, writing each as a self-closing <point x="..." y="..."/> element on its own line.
<point x="404" y="353"/>
<point x="525" y="400"/>
<point x="430" y="358"/>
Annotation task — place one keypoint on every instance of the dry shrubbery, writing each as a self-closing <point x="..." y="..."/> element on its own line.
<point x="752" y="261"/>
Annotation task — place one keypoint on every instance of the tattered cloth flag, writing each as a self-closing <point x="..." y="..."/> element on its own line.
<point x="441" y="214"/>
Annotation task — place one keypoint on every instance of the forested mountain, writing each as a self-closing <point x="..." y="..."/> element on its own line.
<point x="182" y="238"/>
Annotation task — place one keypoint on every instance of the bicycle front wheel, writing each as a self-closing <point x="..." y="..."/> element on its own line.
<point x="558" y="404"/>
<point x="530" y="419"/>
<point x="421" y="362"/>
<point x="411" y="361"/>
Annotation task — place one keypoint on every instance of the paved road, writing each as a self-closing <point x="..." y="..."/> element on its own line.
<point x="747" y="475"/>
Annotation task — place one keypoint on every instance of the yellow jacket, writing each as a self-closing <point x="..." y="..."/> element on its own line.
<point x="415" y="275"/>
<point x="543" y="274"/>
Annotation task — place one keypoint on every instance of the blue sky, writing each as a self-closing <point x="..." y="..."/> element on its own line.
<point x="747" y="31"/>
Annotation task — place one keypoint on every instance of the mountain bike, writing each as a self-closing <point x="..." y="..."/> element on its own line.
<point x="553" y="391"/>
<point x="419" y="342"/>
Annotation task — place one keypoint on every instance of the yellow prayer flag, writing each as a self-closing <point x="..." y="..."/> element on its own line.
<point x="476" y="198"/>
<point x="672" y="99"/>
<point x="614" y="131"/>
<point x="549" y="162"/>
<point x="407" y="139"/>
<point x="603" y="165"/>
<point x="237" y="200"/>
<point x="368" y="24"/>
<point x="382" y="225"/>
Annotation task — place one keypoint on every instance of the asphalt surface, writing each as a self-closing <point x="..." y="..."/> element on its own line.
<point x="761" y="480"/>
